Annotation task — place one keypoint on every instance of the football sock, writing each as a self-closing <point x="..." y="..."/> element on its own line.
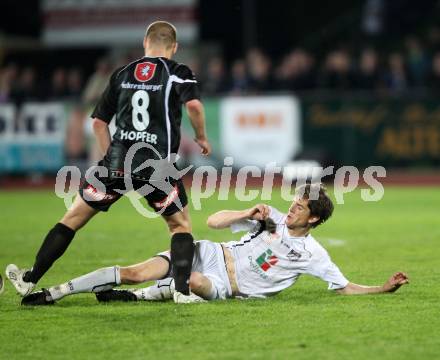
<point x="96" y="281"/>
<point x="54" y="245"/>
<point x="182" y="253"/>
<point x="161" y="290"/>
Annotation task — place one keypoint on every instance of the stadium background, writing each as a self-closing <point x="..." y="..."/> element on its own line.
<point x="352" y="84"/>
<point x="296" y="82"/>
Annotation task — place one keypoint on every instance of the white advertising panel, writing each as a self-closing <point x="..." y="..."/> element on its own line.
<point x="260" y="130"/>
<point x="7" y="118"/>
<point x="32" y="137"/>
<point x="114" y="22"/>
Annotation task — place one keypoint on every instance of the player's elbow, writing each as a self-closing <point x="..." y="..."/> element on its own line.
<point x="212" y="223"/>
<point x="99" y="125"/>
<point x="194" y="106"/>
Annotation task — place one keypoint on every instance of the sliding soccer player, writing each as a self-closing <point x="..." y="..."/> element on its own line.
<point x="276" y="250"/>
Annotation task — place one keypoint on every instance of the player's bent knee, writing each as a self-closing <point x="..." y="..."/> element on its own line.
<point x="183" y="227"/>
<point x="180" y="222"/>
<point x="196" y="281"/>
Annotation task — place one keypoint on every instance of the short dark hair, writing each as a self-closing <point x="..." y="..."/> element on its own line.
<point x="162" y="33"/>
<point x="319" y="202"/>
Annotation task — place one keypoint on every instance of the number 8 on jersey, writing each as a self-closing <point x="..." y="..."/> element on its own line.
<point x="140" y="101"/>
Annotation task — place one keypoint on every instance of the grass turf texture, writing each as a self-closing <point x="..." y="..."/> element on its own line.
<point x="400" y="232"/>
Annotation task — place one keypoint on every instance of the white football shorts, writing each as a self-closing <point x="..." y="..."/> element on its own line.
<point x="209" y="260"/>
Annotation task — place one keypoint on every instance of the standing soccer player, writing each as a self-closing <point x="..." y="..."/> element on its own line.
<point x="146" y="96"/>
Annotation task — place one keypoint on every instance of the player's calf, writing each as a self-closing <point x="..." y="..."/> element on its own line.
<point x="54" y="245"/>
<point x="161" y="290"/>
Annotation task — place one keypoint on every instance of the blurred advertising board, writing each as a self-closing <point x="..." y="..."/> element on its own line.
<point x="260" y="130"/>
<point x="114" y="22"/>
<point x="32" y="137"/>
<point x="372" y="130"/>
<point x="336" y="129"/>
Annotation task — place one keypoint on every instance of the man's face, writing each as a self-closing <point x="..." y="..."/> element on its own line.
<point x="299" y="215"/>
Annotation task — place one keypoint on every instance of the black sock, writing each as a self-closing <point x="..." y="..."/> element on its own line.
<point x="54" y="245"/>
<point x="182" y="253"/>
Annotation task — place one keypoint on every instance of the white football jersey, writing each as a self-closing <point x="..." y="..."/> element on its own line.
<point x="267" y="263"/>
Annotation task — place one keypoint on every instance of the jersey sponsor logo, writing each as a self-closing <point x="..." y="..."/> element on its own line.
<point x="129" y="85"/>
<point x="266" y="260"/>
<point x="256" y="268"/>
<point x="144" y="71"/>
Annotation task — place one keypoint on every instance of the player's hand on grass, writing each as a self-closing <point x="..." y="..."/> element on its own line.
<point x="259" y="212"/>
<point x="395" y="282"/>
<point x="204" y="144"/>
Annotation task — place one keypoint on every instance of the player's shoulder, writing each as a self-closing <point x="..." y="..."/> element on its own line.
<point x="179" y="69"/>
<point x="174" y="65"/>
<point x="317" y="251"/>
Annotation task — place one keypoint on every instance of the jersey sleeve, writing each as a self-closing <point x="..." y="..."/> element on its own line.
<point x="186" y="87"/>
<point x="276" y="215"/>
<point x="326" y="270"/>
<point x="108" y="103"/>
<point x="243" y="225"/>
<point x="252" y="225"/>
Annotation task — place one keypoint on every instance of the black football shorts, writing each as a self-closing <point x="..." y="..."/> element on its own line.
<point x="165" y="203"/>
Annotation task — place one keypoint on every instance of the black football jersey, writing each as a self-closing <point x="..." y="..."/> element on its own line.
<point x="146" y="96"/>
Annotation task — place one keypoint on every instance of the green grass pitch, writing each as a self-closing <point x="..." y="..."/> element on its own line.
<point x="369" y="241"/>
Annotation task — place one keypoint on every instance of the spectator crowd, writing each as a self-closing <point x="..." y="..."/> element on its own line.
<point x="415" y="67"/>
<point x="20" y="84"/>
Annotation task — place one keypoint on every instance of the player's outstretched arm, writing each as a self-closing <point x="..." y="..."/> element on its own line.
<point x="196" y="114"/>
<point x="225" y="218"/>
<point x="391" y="285"/>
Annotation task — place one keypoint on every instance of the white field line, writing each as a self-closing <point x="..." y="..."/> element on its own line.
<point x="332" y="242"/>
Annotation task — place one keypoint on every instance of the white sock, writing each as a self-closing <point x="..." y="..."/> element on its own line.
<point x="161" y="290"/>
<point x="96" y="281"/>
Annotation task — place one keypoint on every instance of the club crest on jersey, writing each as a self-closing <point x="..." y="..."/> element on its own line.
<point x="144" y="71"/>
<point x="293" y="255"/>
<point x="266" y="260"/>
